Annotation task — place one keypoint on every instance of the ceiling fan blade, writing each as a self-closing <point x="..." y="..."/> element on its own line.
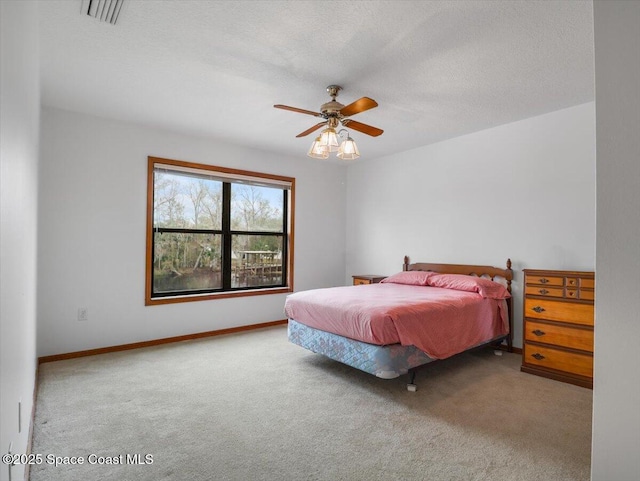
<point x="360" y="105"/>
<point x="308" y="131"/>
<point x="364" y="128"/>
<point x="295" y="109"/>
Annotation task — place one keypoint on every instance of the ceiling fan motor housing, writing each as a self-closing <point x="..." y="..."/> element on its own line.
<point x="331" y="108"/>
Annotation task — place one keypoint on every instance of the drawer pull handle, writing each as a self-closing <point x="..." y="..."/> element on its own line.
<point x="538" y="309"/>
<point x="539" y="333"/>
<point x="543" y="291"/>
<point x="544" y="281"/>
<point x="538" y="356"/>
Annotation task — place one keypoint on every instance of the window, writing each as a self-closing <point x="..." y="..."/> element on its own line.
<point x="215" y="232"/>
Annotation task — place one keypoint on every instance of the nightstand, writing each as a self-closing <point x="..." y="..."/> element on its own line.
<point x="366" y="279"/>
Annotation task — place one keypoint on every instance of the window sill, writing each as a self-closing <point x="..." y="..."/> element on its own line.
<point x="153" y="301"/>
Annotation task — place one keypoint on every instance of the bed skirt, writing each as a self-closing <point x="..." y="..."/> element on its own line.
<point x="386" y="362"/>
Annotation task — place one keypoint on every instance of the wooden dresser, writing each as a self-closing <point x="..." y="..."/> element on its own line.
<point x="558" y="325"/>
<point x="366" y="279"/>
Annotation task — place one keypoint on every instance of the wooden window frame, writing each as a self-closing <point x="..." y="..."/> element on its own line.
<point x="288" y="237"/>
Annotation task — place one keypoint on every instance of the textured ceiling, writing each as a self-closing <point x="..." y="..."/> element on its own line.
<point x="438" y="69"/>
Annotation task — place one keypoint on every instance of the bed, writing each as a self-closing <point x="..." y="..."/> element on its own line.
<point x="423" y="313"/>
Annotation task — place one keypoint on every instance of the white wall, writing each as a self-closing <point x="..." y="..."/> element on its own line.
<point x="616" y="393"/>
<point x="92" y="233"/>
<point x="19" y="122"/>
<point x="524" y="191"/>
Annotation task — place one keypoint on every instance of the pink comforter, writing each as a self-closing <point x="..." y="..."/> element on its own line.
<point x="441" y="322"/>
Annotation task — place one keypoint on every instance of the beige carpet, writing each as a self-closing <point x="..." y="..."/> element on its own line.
<point x="252" y="406"/>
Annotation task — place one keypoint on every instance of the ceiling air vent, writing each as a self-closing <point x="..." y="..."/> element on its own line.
<point x="104" y="10"/>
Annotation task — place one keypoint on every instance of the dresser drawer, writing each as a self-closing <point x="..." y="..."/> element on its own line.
<point x="546" y="280"/>
<point x="550" y="358"/>
<point x="564" y="336"/>
<point x="571" y="293"/>
<point x="544" y="291"/>
<point x="571" y="312"/>
<point x="588" y="283"/>
<point x="571" y="281"/>
<point x="587" y="294"/>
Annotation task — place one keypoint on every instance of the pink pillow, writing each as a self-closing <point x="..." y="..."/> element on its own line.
<point x="411" y="278"/>
<point x="460" y="282"/>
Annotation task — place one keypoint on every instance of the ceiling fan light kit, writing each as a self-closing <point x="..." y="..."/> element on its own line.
<point x="336" y="114"/>
<point x="348" y="150"/>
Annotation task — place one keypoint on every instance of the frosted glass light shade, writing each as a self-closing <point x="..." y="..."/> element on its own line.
<point x="329" y="139"/>
<point x="317" y="150"/>
<point x="348" y="150"/>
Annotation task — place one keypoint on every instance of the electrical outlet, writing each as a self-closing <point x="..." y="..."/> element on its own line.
<point x="83" y="314"/>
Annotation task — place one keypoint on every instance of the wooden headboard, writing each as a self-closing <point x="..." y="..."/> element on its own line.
<point x="471" y="270"/>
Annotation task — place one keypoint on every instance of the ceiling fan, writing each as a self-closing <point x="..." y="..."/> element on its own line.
<point x="334" y="114"/>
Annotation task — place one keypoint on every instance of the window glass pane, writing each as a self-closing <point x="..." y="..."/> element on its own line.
<point x="186" y="262"/>
<point x="186" y="201"/>
<point x="256" y="260"/>
<point x="256" y="208"/>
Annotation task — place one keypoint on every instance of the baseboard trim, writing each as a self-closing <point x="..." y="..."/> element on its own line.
<point x="157" y="342"/>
